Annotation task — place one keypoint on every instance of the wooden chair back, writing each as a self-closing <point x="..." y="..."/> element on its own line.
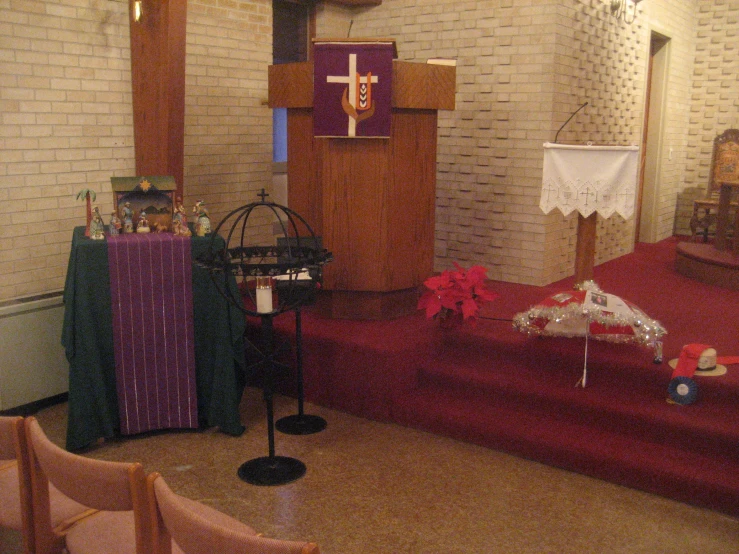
<point x="200" y="529"/>
<point x="725" y="160"/>
<point x="15" y="480"/>
<point x="97" y="484"/>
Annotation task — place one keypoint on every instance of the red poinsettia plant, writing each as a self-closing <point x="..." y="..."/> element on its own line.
<point x="461" y="291"/>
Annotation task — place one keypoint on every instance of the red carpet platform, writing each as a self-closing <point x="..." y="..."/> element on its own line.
<point x="704" y="263"/>
<point x="492" y="385"/>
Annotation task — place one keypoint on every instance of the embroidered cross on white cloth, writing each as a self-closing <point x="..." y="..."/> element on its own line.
<point x="589" y="179"/>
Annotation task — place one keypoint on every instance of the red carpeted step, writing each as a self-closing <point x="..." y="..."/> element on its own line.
<point x="683" y="475"/>
<point x="630" y="409"/>
<point x="495" y="386"/>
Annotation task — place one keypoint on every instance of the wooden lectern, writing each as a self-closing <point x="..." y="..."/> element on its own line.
<point x="371" y="200"/>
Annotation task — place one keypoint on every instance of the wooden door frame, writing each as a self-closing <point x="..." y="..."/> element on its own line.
<point x="658" y="41"/>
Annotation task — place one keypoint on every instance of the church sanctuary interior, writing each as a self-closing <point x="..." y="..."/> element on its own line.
<point x="369" y="276"/>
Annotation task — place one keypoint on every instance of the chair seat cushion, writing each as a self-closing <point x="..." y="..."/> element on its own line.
<point x="109" y="532"/>
<point x="62" y="507"/>
<point x="10" y="510"/>
<point x="215" y="517"/>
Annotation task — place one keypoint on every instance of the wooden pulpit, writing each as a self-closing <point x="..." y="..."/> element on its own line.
<point x="372" y="200"/>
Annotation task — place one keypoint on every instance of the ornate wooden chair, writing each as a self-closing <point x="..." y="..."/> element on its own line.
<point x="185" y="526"/>
<point x="16" y="511"/>
<point x="724" y="167"/>
<point x="115" y="491"/>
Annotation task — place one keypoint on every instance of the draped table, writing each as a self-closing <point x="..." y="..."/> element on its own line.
<point x="88" y="340"/>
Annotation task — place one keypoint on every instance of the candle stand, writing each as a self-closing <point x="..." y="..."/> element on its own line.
<point x="246" y="277"/>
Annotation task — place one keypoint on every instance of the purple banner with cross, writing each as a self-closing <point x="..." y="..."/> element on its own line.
<point x="352" y="89"/>
<point x="153" y="331"/>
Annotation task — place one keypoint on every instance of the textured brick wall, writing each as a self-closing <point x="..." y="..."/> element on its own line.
<point x="336" y="21"/>
<point x="523" y="68"/>
<point x="715" y="91"/>
<point x="228" y="126"/>
<point x="66" y="121"/>
<point x="600" y="66"/>
<point x="487" y="157"/>
<point x="66" y="124"/>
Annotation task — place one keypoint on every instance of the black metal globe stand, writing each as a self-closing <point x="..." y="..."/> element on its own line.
<point x="232" y="268"/>
<point x="300" y="423"/>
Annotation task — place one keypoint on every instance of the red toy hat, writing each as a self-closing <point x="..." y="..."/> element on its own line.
<point x="688" y="360"/>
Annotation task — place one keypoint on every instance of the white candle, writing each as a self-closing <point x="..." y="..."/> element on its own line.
<point x="264" y="295"/>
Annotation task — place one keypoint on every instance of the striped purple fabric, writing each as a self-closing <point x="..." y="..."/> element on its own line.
<point x="153" y="334"/>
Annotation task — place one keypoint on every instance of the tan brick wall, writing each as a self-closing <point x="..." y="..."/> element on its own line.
<point x="335" y="21"/>
<point x="715" y="91"/>
<point x="523" y="68"/>
<point x="487" y="156"/>
<point x="65" y="125"/>
<point x="66" y="121"/>
<point x="228" y="126"/>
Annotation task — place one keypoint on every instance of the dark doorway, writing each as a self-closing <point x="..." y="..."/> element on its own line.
<point x="290" y="21"/>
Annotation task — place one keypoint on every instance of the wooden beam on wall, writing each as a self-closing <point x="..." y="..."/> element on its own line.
<point x="158" y="87"/>
<point x="355" y="3"/>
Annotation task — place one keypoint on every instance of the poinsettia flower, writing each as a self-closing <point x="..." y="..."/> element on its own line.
<point x="450" y="301"/>
<point x="477" y="274"/>
<point x="430" y="302"/>
<point x="469" y="308"/>
<point x="483" y="294"/>
<point x="438" y="282"/>
<point x="460" y="291"/>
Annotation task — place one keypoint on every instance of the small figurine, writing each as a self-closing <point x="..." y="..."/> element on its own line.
<point x="97" y="228"/>
<point x="143" y="224"/>
<point x="202" y="223"/>
<point x="127" y="217"/>
<point x="179" y="222"/>
<point x="114" y="227"/>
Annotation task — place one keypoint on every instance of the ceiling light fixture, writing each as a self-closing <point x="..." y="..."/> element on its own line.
<point x="624" y="8"/>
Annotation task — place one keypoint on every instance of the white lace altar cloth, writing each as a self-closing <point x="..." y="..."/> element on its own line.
<point x="589" y="179"/>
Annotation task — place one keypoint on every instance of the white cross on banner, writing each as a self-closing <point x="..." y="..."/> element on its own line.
<point x="589" y="179"/>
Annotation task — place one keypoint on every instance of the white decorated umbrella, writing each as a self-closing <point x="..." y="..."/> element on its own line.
<point x="587" y="311"/>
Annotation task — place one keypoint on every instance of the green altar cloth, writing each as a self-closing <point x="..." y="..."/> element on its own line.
<point x="87" y="337"/>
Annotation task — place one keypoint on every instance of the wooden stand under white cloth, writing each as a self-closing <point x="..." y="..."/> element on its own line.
<point x="592" y="180"/>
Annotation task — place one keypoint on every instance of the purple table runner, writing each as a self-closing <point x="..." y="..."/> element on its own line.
<point x="153" y="334"/>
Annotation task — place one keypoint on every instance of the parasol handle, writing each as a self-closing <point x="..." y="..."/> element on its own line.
<point x="584" y="377"/>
